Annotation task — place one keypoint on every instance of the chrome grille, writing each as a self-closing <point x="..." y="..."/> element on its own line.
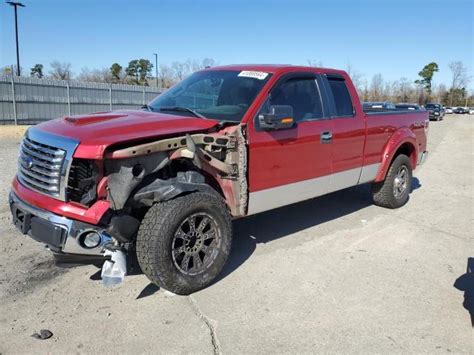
<point x="39" y="166"/>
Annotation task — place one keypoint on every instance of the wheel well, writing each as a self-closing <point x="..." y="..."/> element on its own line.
<point x="184" y="165"/>
<point x="407" y="149"/>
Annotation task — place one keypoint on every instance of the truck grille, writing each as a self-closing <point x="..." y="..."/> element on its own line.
<point x="39" y="166"/>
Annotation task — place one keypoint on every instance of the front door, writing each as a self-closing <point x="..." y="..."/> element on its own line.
<point x="290" y="165"/>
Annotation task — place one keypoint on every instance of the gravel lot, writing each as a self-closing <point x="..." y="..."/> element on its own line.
<point x="334" y="274"/>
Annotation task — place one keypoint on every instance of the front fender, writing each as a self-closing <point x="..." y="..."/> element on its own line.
<point x="399" y="138"/>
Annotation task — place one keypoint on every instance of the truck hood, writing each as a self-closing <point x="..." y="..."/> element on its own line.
<point x="97" y="131"/>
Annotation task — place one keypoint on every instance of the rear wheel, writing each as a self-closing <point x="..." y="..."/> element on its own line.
<point x="394" y="191"/>
<point x="183" y="244"/>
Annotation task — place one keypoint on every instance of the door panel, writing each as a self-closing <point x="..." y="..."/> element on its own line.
<point x="291" y="165"/>
<point x="287" y="156"/>
<point x="284" y="165"/>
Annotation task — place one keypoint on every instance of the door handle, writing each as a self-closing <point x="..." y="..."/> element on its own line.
<point x="326" y="137"/>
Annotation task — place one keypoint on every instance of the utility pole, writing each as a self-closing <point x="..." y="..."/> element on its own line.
<point x="156" y="68"/>
<point x="15" y="5"/>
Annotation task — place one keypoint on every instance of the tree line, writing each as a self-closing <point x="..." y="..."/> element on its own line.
<point x="418" y="91"/>
<point x="375" y="88"/>
<point x="137" y="72"/>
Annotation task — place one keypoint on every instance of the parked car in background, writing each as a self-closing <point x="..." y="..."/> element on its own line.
<point x="471" y="110"/>
<point x="407" y="106"/>
<point x="448" y="110"/>
<point x="378" y="106"/>
<point x="461" y="110"/>
<point x="435" y="111"/>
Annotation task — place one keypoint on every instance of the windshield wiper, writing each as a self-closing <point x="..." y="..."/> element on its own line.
<point x="182" y="109"/>
<point x="147" y="107"/>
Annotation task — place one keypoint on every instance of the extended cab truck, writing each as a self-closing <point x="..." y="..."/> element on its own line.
<point x="227" y="142"/>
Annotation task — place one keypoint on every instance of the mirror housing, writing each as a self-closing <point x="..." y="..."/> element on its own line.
<point x="279" y="117"/>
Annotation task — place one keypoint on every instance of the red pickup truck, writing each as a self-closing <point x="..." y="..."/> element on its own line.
<point x="165" y="182"/>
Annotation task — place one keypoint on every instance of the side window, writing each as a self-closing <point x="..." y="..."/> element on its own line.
<point x="300" y="93"/>
<point x="342" y="98"/>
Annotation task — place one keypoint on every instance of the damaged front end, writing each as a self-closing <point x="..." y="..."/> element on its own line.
<point x="138" y="176"/>
<point x="128" y="181"/>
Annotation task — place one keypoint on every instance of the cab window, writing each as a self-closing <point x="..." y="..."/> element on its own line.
<point x="300" y="93"/>
<point x="342" y="98"/>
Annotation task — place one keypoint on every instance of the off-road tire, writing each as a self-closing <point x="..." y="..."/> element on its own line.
<point x="383" y="192"/>
<point x="156" y="235"/>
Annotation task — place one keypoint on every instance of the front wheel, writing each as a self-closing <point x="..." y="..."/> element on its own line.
<point x="183" y="244"/>
<point x="394" y="191"/>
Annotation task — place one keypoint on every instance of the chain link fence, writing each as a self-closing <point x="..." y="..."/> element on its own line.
<point x="30" y="100"/>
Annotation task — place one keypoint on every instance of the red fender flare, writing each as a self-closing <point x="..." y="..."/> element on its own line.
<point x="401" y="136"/>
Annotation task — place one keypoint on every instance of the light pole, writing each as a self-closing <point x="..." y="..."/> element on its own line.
<point x="156" y="68"/>
<point x="15" y="5"/>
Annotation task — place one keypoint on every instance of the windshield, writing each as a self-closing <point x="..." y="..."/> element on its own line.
<point x="432" y="106"/>
<point x="224" y="95"/>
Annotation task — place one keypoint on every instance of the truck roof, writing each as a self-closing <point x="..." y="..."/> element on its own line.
<point x="274" y="68"/>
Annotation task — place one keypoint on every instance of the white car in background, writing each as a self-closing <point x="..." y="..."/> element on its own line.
<point x="471" y="110"/>
<point x="449" y="110"/>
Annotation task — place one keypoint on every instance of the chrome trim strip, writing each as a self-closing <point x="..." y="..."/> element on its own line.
<point x="41" y="163"/>
<point x="39" y="169"/>
<point x="39" y="147"/>
<point x="38" y="176"/>
<point x="68" y="145"/>
<point x="52" y="189"/>
<point x="41" y="156"/>
<point x="279" y="196"/>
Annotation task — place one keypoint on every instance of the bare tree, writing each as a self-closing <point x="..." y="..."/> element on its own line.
<point x="61" y="71"/>
<point x="356" y="77"/>
<point x="364" y="90"/>
<point x="420" y="93"/>
<point x="460" y="78"/>
<point x="180" y="70"/>
<point x="389" y="91"/>
<point x="95" y="75"/>
<point x="314" y="63"/>
<point x="439" y="93"/>
<point x="208" y="62"/>
<point x="404" y="90"/>
<point x="376" y="87"/>
<point x="166" y="77"/>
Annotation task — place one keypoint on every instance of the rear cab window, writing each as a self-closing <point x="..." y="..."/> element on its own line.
<point x="339" y="96"/>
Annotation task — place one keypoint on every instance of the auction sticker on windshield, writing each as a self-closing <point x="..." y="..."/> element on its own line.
<point x="260" y="75"/>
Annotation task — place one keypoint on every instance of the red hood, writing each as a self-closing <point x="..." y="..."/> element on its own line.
<point x="97" y="131"/>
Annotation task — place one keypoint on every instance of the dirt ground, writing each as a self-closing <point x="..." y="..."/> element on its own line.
<point x="334" y="274"/>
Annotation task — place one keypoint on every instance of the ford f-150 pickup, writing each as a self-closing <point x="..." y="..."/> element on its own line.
<point x="164" y="183"/>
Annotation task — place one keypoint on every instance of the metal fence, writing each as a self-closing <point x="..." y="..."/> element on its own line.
<point x="31" y="100"/>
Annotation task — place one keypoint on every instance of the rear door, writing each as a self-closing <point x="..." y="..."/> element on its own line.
<point x="290" y="165"/>
<point x="348" y="132"/>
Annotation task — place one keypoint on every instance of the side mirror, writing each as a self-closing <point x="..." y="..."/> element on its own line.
<point x="279" y="117"/>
